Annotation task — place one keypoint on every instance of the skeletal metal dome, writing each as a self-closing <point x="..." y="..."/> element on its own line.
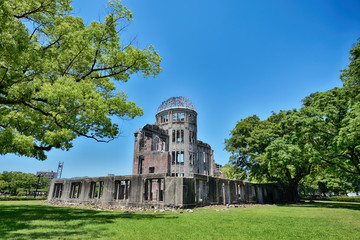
<point x="176" y="102"/>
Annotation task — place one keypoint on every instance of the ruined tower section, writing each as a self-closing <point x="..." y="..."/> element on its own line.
<point x="151" y="150"/>
<point x="178" y="117"/>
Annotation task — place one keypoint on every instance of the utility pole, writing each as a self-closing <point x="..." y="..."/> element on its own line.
<point x="37" y="185"/>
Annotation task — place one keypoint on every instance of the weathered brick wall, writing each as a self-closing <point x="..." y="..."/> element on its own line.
<point x="149" y="154"/>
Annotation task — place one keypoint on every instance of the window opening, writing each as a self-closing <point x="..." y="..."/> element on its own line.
<point x="177" y="157"/>
<point x="173" y="157"/>
<point x="57" y="190"/>
<point x="180" y="157"/>
<point x="96" y="189"/>
<point x="163" y="145"/>
<point x="141" y="162"/>
<point x="75" y="190"/>
<point x="191" y="117"/>
<point x="122" y="189"/>
<point x="142" y="143"/>
<point x="180" y="136"/>
<point x="155" y="144"/>
<point x="154" y="189"/>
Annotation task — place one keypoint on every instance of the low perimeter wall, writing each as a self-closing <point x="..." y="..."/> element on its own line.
<point x="161" y="190"/>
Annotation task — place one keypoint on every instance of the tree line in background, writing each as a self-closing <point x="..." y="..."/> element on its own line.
<point x="314" y="147"/>
<point x="19" y="183"/>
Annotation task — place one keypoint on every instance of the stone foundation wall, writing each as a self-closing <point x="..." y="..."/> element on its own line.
<point x="162" y="190"/>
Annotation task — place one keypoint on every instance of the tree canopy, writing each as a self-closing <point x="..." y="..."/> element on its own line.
<point x="57" y="75"/>
<point x="291" y="147"/>
<point x="271" y="150"/>
<point x="232" y="172"/>
<point x="12" y="181"/>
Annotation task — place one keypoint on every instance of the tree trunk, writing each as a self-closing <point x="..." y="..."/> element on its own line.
<point x="292" y="193"/>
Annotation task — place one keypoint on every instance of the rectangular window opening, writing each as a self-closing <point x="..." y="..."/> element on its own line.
<point x="140" y="166"/>
<point x="75" y="190"/>
<point x="122" y="189"/>
<point x="178" y="137"/>
<point x="173" y="157"/>
<point x="58" y="187"/>
<point x="179" y="157"/>
<point x="96" y="189"/>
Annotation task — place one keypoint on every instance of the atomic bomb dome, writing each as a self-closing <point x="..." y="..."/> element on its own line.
<point x="176" y="102"/>
<point x="171" y="168"/>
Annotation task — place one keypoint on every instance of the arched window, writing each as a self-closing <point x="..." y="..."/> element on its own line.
<point x="155" y="144"/>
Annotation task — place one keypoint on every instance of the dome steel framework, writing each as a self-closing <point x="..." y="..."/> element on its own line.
<point x="176" y="102"/>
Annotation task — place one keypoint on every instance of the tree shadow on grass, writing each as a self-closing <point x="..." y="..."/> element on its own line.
<point x="58" y="222"/>
<point x="325" y="204"/>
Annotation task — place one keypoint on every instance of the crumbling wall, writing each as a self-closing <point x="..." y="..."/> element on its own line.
<point x="146" y="190"/>
<point x="174" y="192"/>
<point x="151" y="151"/>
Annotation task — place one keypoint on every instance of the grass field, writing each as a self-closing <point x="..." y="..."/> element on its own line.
<point x="325" y="220"/>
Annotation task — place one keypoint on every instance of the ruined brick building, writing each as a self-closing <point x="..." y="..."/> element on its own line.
<point x="171" y="145"/>
<point x="171" y="167"/>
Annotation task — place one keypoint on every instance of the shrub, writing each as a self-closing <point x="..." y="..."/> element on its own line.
<point x="22" y="193"/>
<point x="334" y="198"/>
<point x="14" y="198"/>
<point x="344" y="199"/>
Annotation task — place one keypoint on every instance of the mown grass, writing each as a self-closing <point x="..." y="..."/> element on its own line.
<point x="325" y="220"/>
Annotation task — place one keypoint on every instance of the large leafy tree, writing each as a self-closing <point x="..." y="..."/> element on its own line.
<point x="272" y="150"/>
<point x="334" y="120"/>
<point x="322" y="137"/>
<point x="248" y="142"/>
<point x="57" y="75"/>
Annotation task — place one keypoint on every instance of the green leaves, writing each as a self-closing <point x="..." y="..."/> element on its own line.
<point x="322" y="138"/>
<point x="232" y="172"/>
<point x="15" y="180"/>
<point x="351" y="75"/>
<point x="56" y="76"/>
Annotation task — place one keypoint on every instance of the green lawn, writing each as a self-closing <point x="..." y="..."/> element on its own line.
<point x="325" y="220"/>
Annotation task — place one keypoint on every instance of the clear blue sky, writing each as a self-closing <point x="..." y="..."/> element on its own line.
<point x="232" y="58"/>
